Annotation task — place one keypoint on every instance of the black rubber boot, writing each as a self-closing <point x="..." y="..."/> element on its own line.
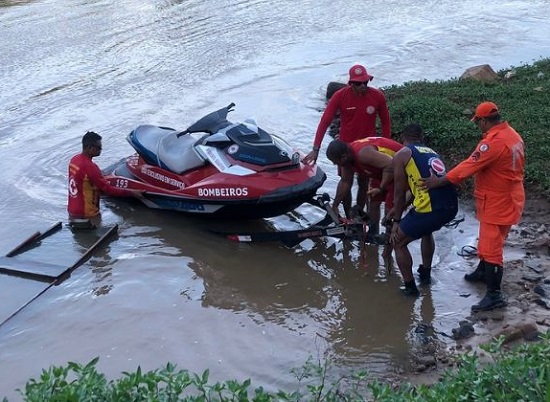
<point x="478" y="275"/>
<point x="424" y="274"/>
<point x="493" y="298"/>
<point x="410" y="289"/>
<point x="374" y="228"/>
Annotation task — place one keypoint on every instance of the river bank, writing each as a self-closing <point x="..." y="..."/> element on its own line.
<point x="526" y="287"/>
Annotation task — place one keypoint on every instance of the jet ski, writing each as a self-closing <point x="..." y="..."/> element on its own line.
<point x="216" y="168"/>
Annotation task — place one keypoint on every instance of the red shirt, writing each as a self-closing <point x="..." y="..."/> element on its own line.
<point x="357" y="115"/>
<point x="85" y="184"/>
<point x="384" y="145"/>
<point x="498" y="166"/>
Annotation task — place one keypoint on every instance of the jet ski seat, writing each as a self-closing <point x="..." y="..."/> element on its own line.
<point x="161" y="146"/>
<point x="179" y="154"/>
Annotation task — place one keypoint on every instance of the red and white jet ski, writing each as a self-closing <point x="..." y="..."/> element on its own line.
<point x="217" y="168"/>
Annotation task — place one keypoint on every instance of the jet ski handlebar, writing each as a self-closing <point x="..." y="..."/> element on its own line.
<point x="210" y="123"/>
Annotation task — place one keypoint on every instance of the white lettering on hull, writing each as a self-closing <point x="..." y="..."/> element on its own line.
<point x="165" y="179"/>
<point x="223" y="192"/>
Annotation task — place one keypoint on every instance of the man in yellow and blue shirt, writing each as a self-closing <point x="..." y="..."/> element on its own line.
<point x="431" y="208"/>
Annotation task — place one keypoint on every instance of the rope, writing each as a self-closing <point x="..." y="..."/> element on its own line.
<point x="453" y="224"/>
<point x="467" y="251"/>
<point x="364" y="246"/>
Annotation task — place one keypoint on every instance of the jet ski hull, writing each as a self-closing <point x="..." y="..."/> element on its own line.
<point x="261" y="195"/>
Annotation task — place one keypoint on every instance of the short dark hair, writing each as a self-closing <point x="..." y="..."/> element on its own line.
<point x="336" y="149"/>
<point x="89" y="139"/>
<point x="413" y="132"/>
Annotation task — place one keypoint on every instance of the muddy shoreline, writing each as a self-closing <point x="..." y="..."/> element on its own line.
<point x="526" y="287"/>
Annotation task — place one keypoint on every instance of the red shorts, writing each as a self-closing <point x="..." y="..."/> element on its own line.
<point x="386" y="198"/>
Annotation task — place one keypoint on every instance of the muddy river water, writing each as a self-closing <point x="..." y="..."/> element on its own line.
<point x="166" y="289"/>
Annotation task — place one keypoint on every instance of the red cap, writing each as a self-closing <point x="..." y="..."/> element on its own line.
<point x="485" y="109"/>
<point x="358" y="73"/>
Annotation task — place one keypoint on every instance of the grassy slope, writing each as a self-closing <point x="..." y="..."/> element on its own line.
<point x="443" y="108"/>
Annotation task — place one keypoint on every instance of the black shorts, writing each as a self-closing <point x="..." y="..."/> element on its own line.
<point x="415" y="224"/>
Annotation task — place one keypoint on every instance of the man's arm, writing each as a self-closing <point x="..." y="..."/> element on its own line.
<point x="371" y="156"/>
<point x="484" y="155"/>
<point x="433" y="181"/>
<point x="384" y="115"/>
<point x="400" y="182"/>
<point x="328" y="115"/>
<point x="344" y="187"/>
<point x="96" y="177"/>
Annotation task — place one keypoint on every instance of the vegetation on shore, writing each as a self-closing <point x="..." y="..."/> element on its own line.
<point x="443" y="109"/>
<point x="522" y="374"/>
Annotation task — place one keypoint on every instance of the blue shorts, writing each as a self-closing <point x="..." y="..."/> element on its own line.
<point x="415" y="224"/>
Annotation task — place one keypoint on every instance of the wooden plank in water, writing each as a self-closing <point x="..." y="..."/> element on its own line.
<point x="36" y="270"/>
<point x="34" y="239"/>
<point x="67" y="272"/>
<point x="25" y="243"/>
<point x="58" y="276"/>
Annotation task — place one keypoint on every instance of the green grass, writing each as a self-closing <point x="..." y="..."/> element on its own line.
<point x="521" y="374"/>
<point x="444" y="108"/>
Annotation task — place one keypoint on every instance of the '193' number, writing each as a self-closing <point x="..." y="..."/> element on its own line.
<point x="121" y="183"/>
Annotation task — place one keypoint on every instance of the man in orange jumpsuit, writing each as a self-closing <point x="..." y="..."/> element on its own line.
<point x="498" y="166"/>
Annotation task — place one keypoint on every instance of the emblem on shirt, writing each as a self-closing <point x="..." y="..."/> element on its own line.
<point x="437" y="165"/>
<point x="73" y="190"/>
<point x="371" y="109"/>
<point x="483" y="147"/>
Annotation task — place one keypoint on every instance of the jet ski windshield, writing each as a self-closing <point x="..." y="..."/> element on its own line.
<point x="245" y="142"/>
<point x="212" y="122"/>
<point x="243" y="134"/>
<point x="258" y="147"/>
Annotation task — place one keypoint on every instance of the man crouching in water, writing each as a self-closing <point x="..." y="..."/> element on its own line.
<point x="431" y="208"/>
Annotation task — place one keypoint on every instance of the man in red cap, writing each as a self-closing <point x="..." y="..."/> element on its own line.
<point x="498" y="166"/>
<point x="359" y="105"/>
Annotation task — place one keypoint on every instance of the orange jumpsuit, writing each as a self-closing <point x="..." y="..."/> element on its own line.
<point x="498" y="166"/>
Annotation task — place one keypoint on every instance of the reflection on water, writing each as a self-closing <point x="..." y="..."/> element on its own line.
<point x="101" y="259"/>
<point x="8" y="3"/>
<point x="339" y="293"/>
<point x="167" y="289"/>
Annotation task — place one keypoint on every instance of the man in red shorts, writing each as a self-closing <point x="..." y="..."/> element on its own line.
<point x="497" y="164"/>
<point x="371" y="157"/>
<point x="358" y="105"/>
<point x="86" y="182"/>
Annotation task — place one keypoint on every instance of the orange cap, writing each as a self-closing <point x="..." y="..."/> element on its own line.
<point x="485" y="109"/>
